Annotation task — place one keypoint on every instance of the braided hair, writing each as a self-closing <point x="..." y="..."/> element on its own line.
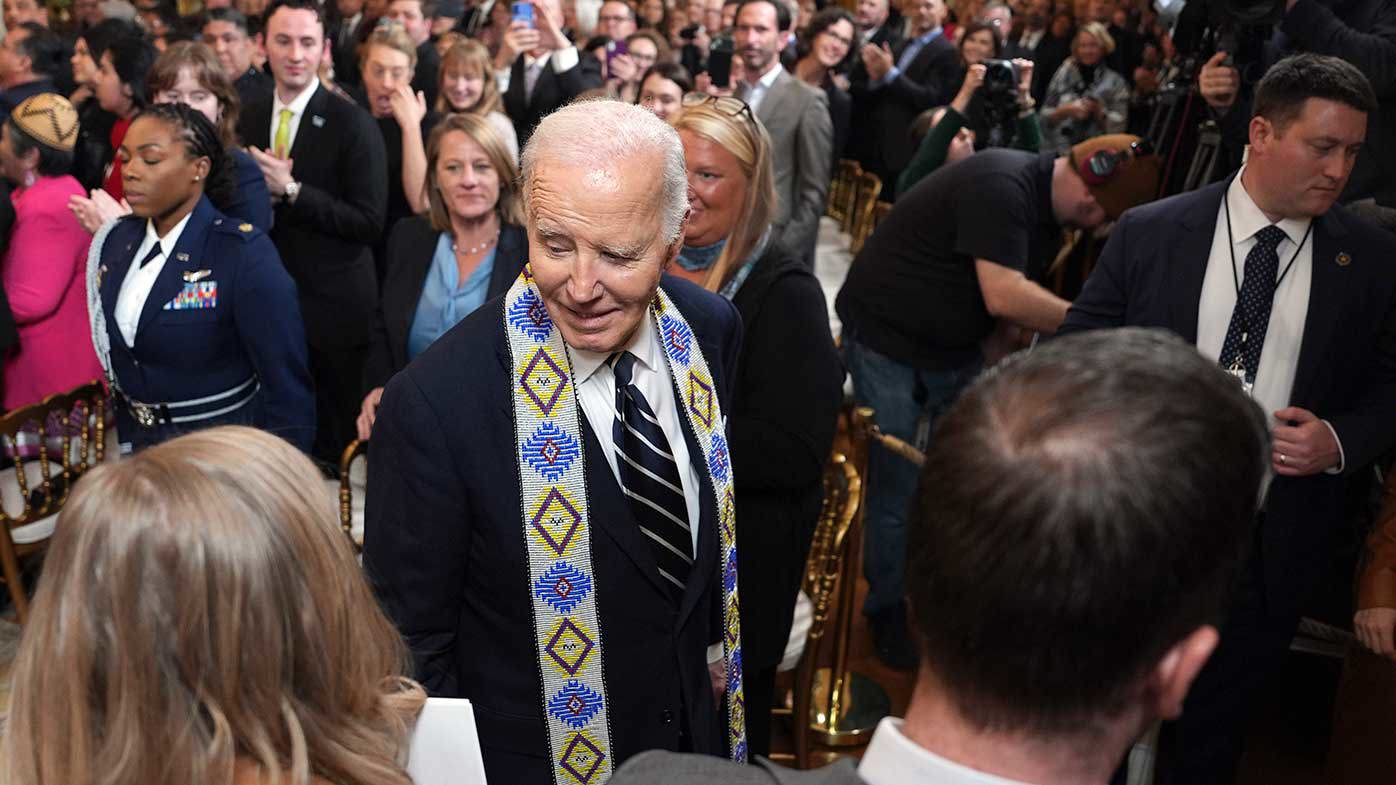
<point x="201" y="140"/>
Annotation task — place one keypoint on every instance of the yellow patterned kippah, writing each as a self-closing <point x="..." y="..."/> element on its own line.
<point x="50" y="119"/>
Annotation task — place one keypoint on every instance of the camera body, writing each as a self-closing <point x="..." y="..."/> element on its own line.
<point x="1000" y="79"/>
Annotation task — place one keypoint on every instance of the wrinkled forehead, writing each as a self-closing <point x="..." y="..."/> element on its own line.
<point x="614" y="204"/>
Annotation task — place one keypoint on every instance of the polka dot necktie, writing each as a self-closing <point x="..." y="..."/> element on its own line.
<point x="1245" y="335"/>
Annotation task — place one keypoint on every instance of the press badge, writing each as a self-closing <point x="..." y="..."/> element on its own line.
<point x="196" y="295"/>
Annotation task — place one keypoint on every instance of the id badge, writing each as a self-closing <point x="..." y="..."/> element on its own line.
<point x="1247" y="385"/>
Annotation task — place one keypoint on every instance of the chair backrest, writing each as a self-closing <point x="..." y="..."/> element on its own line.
<point x="353" y="474"/>
<point x="843" y="192"/>
<point x="829" y="549"/>
<point x="49" y="445"/>
<point x="869" y="189"/>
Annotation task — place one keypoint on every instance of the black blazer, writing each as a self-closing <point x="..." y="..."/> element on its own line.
<point x="882" y="143"/>
<point x="1150" y="274"/>
<point x="325" y="238"/>
<point x="553" y="90"/>
<point x="411" y="247"/>
<point x="841" y="115"/>
<point x="445" y="552"/>
<point x="788" y="390"/>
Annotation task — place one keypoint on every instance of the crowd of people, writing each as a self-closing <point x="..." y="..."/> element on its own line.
<point x="553" y="261"/>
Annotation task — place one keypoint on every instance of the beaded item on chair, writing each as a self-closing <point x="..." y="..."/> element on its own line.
<point x="557" y="527"/>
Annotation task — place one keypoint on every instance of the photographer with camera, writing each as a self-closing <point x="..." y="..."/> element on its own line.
<point x="952" y="134"/>
<point x="1362" y="32"/>
<point x="1085" y="97"/>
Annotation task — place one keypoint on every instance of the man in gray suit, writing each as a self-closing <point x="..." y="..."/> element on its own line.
<point x="1065" y="572"/>
<point x="795" y="115"/>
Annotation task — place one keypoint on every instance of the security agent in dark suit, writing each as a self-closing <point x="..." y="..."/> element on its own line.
<point x="324" y="164"/>
<point x="444" y="545"/>
<point x="539" y="70"/>
<point x="922" y="72"/>
<point x="1313" y="339"/>
<point x="1044" y="670"/>
<point x="195" y="319"/>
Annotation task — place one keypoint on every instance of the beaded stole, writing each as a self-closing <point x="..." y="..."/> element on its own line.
<point x="556" y="524"/>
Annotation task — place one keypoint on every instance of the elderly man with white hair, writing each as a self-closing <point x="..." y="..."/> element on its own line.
<point x="550" y="518"/>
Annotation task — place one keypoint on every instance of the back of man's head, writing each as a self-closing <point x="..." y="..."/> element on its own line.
<point x="44" y="49"/>
<point x="1082" y="510"/>
<point x="1287" y="85"/>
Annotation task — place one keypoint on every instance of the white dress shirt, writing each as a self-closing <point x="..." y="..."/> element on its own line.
<point x="136" y="286"/>
<point x="893" y="759"/>
<point x="297" y="107"/>
<point x="757" y="91"/>
<point x="1031" y="38"/>
<point x="596" y="390"/>
<point x="562" y="60"/>
<point x="1279" y="357"/>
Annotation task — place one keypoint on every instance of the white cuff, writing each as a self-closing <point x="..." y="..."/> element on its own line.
<point x="564" y="60"/>
<point x="715" y="653"/>
<point x="501" y="78"/>
<point x="1342" y="459"/>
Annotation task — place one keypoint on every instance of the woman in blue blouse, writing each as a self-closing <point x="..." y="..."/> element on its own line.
<point x="441" y="266"/>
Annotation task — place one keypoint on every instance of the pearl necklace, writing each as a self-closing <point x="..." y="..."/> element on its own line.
<point x="474" y="249"/>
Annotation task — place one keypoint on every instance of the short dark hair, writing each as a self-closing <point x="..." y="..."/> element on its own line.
<point x="821" y="21"/>
<point x="668" y="70"/>
<point x="100" y="35"/>
<point x="1282" y="91"/>
<point x="1083" y="508"/>
<point x="131" y="57"/>
<point x="230" y="15"/>
<point x="44" y="49"/>
<point x="782" y="12"/>
<point x="297" y="5"/>
<point x="975" y="27"/>
<point x="201" y="140"/>
<point x="52" y="161"/>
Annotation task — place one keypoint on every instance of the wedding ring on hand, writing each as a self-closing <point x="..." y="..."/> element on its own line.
<point x="1283" y="462"/>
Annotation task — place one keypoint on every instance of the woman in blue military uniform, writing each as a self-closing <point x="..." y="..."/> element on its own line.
<point x="194" y="317"/>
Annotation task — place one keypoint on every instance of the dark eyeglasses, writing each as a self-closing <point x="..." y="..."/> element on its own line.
<point x="722" y="103"/>
<point x="1102" y="165"/>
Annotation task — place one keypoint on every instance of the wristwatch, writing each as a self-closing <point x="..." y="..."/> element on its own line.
<point x="293" y="189"/>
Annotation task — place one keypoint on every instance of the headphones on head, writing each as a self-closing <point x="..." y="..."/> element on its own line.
<point x="1102" y="165"/>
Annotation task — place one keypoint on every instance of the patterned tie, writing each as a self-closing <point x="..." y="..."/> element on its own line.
<point x="150" y="257"/>
<point x="282" y="143"/>
<point x="1250" y="319"/>
<point x="650" y="477"/>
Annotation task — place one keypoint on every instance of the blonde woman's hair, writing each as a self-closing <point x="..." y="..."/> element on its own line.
<point x="391" y="35"/>
<point x="472" y="58"/>
<point x="479" y="130"/>
<point x="746" y="139"/>
<point x="200" y="606"/>
<point x="1100" y="33"/>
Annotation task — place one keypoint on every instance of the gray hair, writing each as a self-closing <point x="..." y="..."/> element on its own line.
<point x="604" y="131"/>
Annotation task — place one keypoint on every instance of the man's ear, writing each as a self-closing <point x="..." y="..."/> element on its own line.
<point x="1174" y="673"/>
<point x="1261" y="132"/>
<point x="675" y="247"/>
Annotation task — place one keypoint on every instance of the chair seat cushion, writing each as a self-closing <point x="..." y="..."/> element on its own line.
<point x="37" y="531"/>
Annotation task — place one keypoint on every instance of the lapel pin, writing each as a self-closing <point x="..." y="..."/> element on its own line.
<point x="196" y="275"/>
<point x="317" y="121"/>
<point x="183" y="257"/>
<point x="1343" y="259"/>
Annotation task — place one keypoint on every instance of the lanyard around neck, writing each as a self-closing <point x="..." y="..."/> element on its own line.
<point x="1231" y="248"/>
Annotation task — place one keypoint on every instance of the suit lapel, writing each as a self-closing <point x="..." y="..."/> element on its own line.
<point x="1327" y="291"/>
<point x="610" y="511"/>
<point x="705" y="561"/>
<point x="1198" y="224"/>
<point x="186" y="255"/>
<point x="775" y="100"/>
<point x="313" y="124"/>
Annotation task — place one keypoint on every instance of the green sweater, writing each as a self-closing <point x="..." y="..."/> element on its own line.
<point x="936" y="145"/>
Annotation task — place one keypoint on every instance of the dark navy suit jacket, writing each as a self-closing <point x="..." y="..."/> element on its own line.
<point x="254" y="328"/>
<point x="1150" y="274"/>
<point x="446" y="552"/>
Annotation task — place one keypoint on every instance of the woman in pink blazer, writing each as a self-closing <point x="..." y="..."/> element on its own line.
<point x="44" y="266"/>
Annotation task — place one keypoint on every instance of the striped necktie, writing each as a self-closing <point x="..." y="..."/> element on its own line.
<point x="649" y="477"/>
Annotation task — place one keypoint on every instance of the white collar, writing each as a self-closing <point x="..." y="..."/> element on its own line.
<point x="644" y="344"/>
<point x="297" y="104"/>
<point x="1247" y="218"/>
<point x="770" y="77"/>
<point x="171" y="238"/>
<point x="893" y="759"/>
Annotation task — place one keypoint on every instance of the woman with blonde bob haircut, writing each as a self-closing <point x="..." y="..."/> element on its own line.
<point x="467" y="249"/>
<point x="468" y="85"/>
<point x="202" y="619"/>
<point x="780" y="436"/>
